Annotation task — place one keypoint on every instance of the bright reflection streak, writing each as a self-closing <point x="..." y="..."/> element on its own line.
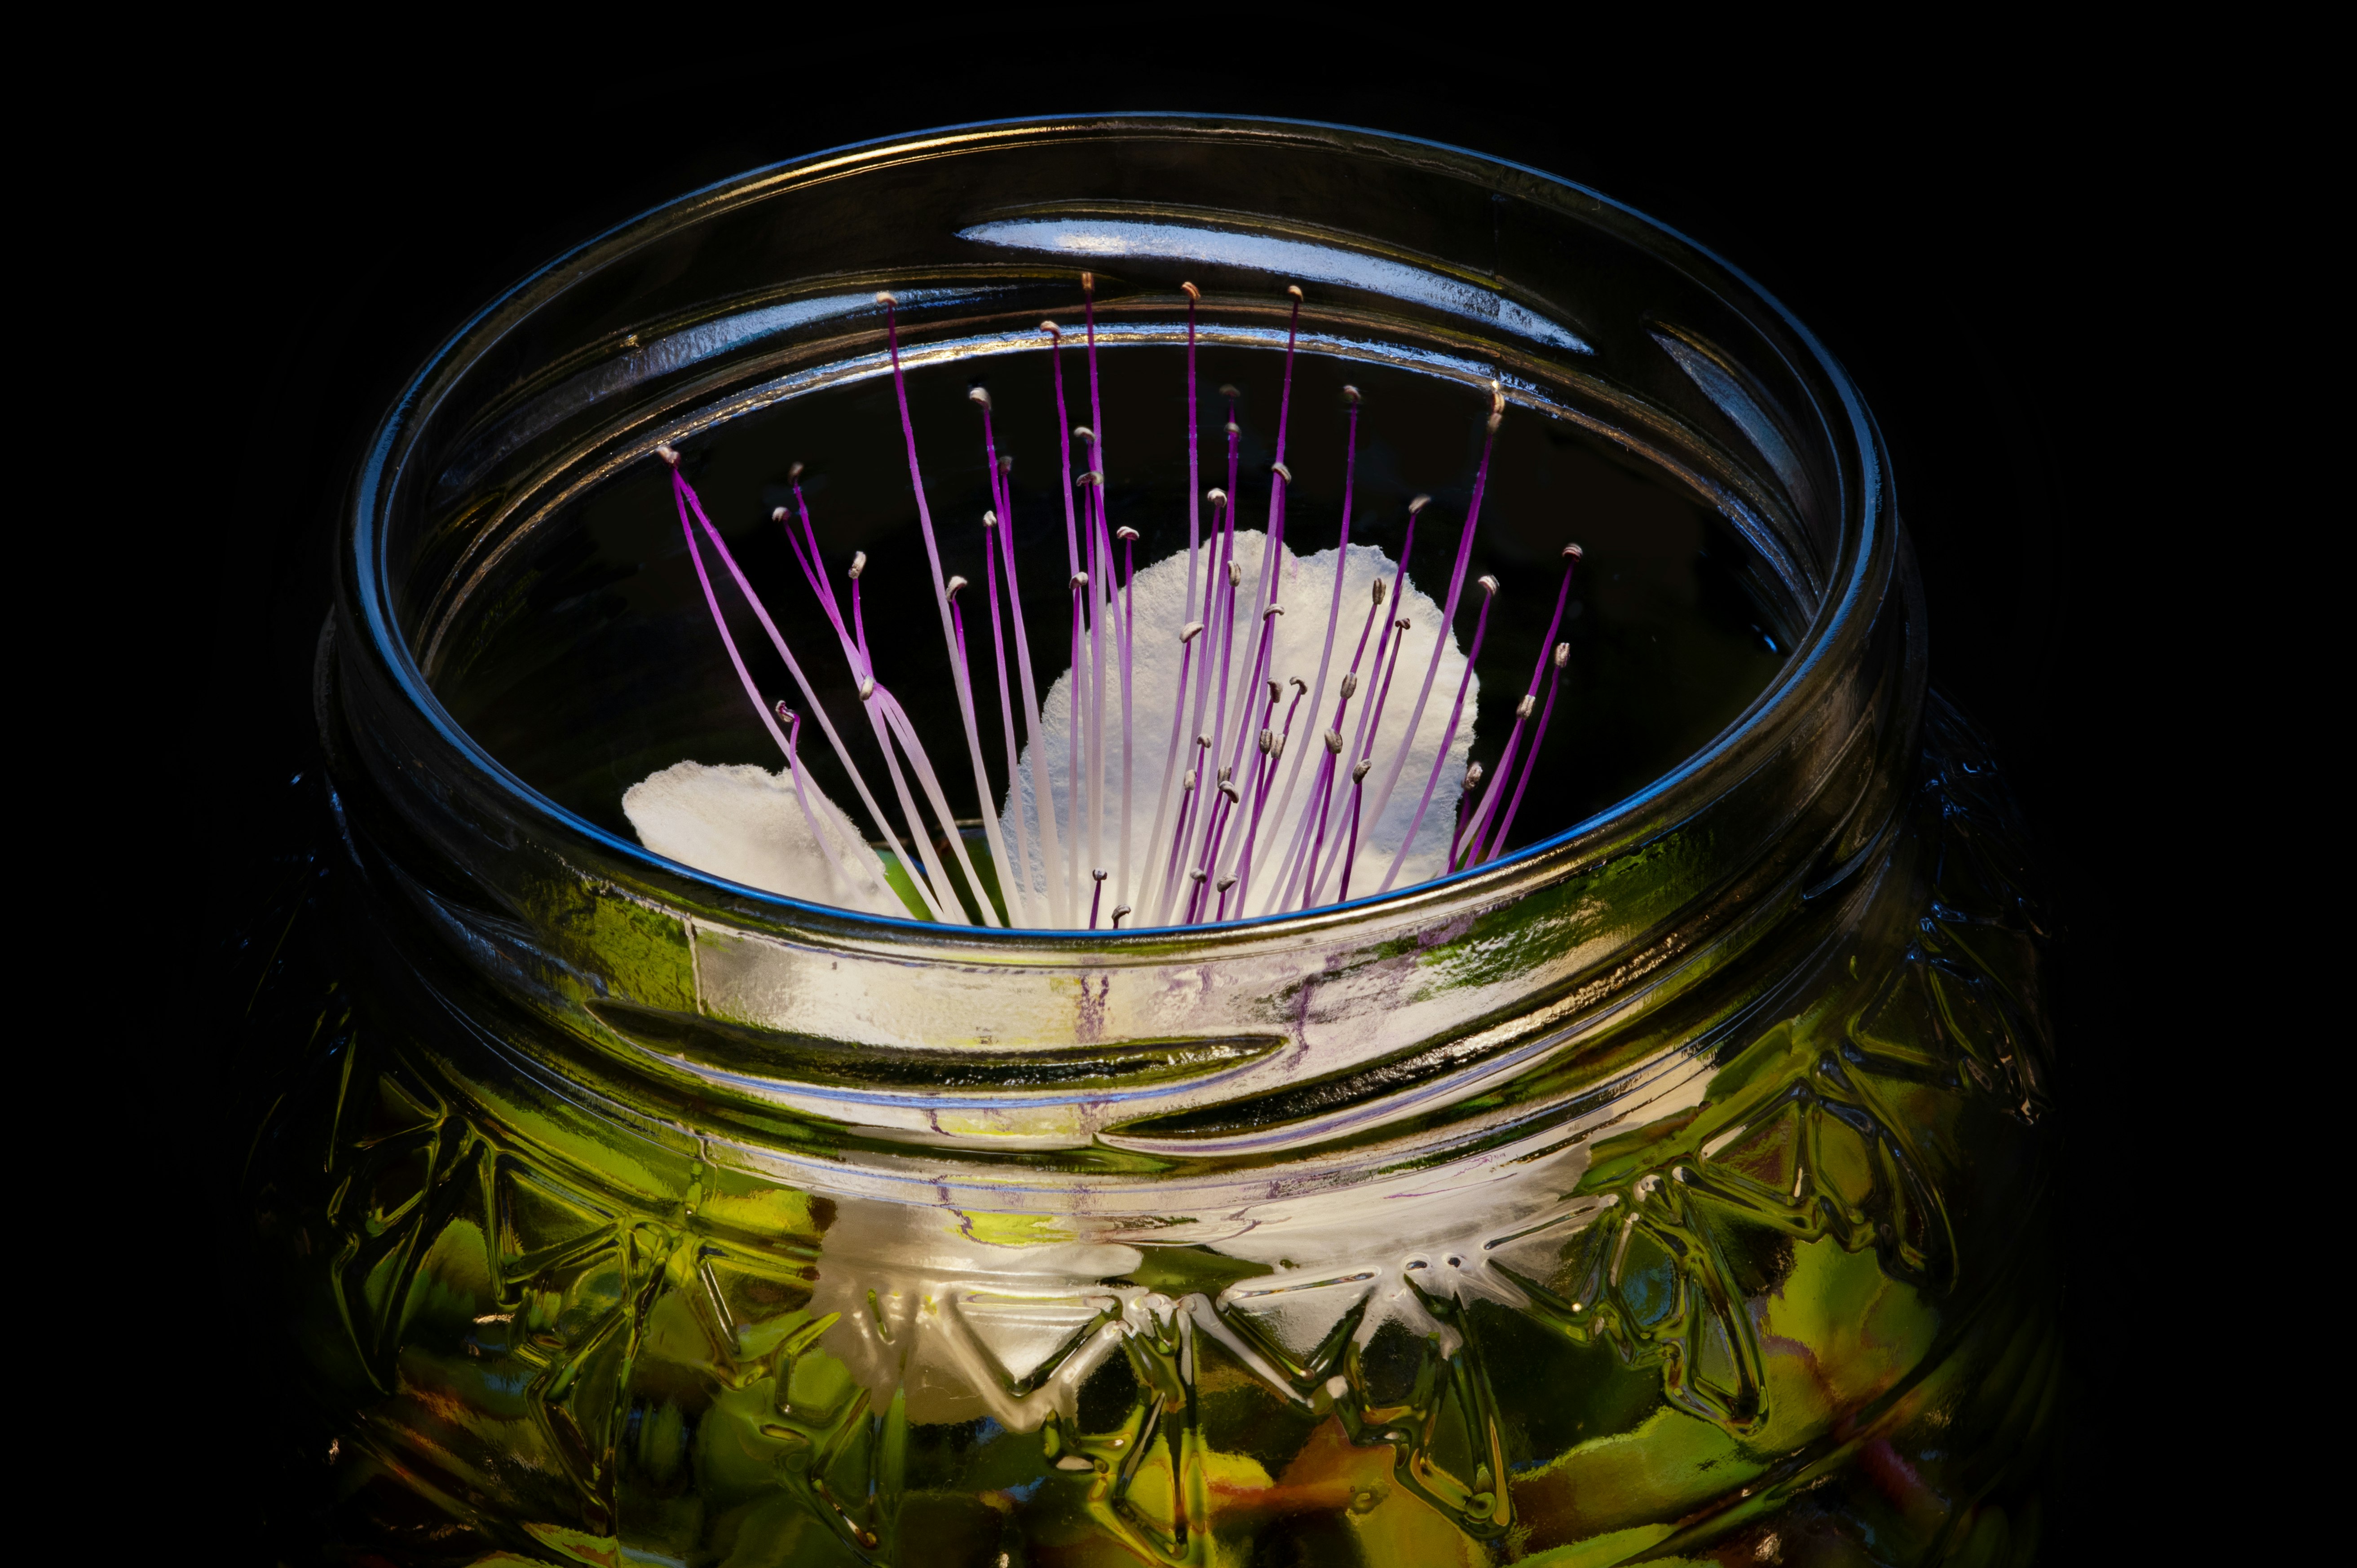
<point x="1285" y="258"/>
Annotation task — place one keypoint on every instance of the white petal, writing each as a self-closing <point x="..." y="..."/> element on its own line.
<point x="744" y="824"/>
<point x="1305" y="589"/>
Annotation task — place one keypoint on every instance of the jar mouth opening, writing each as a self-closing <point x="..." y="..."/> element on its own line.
<point x="1840" y="594"/>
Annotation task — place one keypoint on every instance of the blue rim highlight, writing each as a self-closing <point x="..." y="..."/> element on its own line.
<point x="379" y="476"/>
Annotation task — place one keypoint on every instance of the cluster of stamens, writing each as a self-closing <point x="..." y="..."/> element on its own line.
<point x="1204" y="855"/>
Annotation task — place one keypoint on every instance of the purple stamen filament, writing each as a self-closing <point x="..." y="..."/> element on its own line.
<point x="1555" y="678"/>
<point x="1448" y="609"/>
<point x="1471" y="832"/>
<point x="958" y="669"/>
<point x="685" y="495"/>
<point x="1043" y="815"/>
<point x="801" y="797"/>
<point x="1448" y="739"/>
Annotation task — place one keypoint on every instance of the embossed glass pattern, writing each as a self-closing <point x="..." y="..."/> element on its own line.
<point x="1672" y="1190"/>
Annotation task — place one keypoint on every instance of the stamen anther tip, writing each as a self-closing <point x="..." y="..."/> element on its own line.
<point x="1228" y="391"/>
<point x="990" y="520"/>
<point x="950" y="589"/>
<point x="1050" y="328"/>
<point x="1089" y="281"/>
<point x="1418" y="504"/>
<point x="1099" y="873"/>
<point x="979" y="394"/>
<point x="1294" y="289"/>
<point x="1281" y="472"/>
<point x="859" y="564"/>
<point x="1574" y="553"/>
<point x="1349" y="394"/>
<point x="777" y="514"/>
<point x="1562" y="654"/>
<point x="668" y="454"/>
<point x="1080" y="581"/>
<point x="1191" y="291"/>
<point x="1126" y="533"/>
<point x="885" y="297"/>
<point x="1191" y="630"/>
<point x="793" y="473"/>
<point x="1489" y="584"/>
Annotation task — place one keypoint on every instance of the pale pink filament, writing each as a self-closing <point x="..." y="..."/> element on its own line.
<point x="801" y="796"/>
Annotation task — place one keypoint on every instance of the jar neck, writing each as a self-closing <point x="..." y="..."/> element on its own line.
<point x="1147" y="1069"/>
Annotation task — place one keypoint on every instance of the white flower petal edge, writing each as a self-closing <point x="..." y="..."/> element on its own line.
<point x="743" y="823"/>
<point x="1305" y="589"/>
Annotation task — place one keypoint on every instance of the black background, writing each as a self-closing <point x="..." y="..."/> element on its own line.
<point x="1951" y="223"/>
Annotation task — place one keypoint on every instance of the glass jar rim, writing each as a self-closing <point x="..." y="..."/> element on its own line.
<point x="1864" y="564"/>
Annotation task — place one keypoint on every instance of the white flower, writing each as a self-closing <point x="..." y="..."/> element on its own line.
<point x="743" y="823"/>
<point x="1298" y="646"/>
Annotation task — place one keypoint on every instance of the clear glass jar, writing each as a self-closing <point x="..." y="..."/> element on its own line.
<point x="1671" y="1190"/>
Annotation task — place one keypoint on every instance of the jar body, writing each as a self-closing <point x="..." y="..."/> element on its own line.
<point x="1777" y="1294"/>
